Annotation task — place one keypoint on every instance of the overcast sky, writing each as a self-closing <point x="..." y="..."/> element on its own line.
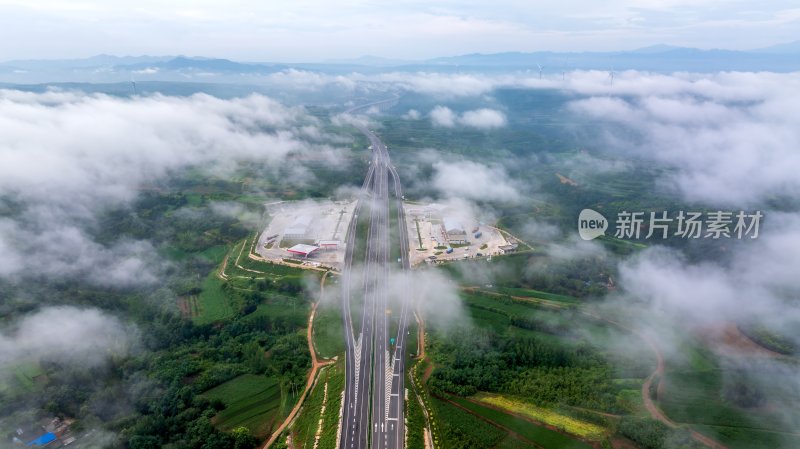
<point x="306" y="30"/>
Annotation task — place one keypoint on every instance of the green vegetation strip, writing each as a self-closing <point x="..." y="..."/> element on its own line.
<point x="415" y="429"/>
<point x="305" y="426"/>
<point x="530" y="293"/>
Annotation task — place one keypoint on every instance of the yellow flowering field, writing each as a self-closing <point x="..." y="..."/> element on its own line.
<point x="566" y="423"/>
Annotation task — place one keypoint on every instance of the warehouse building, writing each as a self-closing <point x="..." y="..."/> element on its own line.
<point x="455" y="232"/>
<point x="329" y="244"/>
<point x="299" y="229"/>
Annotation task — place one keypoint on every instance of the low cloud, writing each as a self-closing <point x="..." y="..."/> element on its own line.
<point x="70" y="335"/>
<point x="443" y="116"/>
<point x="728" y="139"/>
<point x="483" y="119"/>
<point x="474" y="181"/>
<point x="438" y="84"/>
<point x="435" y="295"/>
<point x="412" y="114"/>
<point x="757" y="282"/>
<point x="479" y="118"/>
<point x="66" y="157"/>
<point x="357" y="120"/>
<point x="251" y="219"/>
<point x="63" y="250"/>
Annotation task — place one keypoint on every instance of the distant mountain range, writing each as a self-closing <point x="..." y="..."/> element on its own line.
<point x="134" y="63"/>
<point x="656" y="58"/>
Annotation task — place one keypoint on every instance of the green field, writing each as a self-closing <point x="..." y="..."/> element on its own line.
<point x="456" y="428"/>
<point x="251" y="401"/>
<point x="516" y="316"/>
<point x="214" y="305"/>
<point x="23" y="378"/>
<point x="695" y="397"/>
<point x="510" y="442"/>
<point x="745" y="438"/>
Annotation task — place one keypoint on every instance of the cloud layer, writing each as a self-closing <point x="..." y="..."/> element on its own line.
<point x="479" y="118"/>
<point x="74" y="336"/>
<point x="66" y="156"/>
<point x="474" y="181"/>
<point x="730" y="140"/>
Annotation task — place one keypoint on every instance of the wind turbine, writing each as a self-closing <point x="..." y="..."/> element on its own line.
<point x="611" y="74"/>
<point x="564" y="70"/>
<point x="540" y="70"/>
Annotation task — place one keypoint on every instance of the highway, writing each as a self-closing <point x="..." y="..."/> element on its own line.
<point x="374" y="384"/>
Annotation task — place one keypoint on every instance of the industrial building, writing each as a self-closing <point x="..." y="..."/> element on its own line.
<point x="299" y="229"/>
<point x="329" y="244"/>
<point x="455" y="232"/>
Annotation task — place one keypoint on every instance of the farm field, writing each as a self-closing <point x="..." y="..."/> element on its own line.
<point x="546" y="416"/>
<point x="538" y="435"/>
<point x="251" y="401"/>
<point x="455" y="428"/>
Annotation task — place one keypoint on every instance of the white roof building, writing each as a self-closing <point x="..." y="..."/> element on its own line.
<point x="298" y="228"/>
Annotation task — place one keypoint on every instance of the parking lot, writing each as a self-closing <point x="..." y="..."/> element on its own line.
<point x="428" y="240"/>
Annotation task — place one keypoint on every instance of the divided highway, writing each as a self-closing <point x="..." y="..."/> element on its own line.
<point x="374" y="384"/>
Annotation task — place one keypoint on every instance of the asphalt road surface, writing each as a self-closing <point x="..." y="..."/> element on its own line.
<point x="374" y="388"/>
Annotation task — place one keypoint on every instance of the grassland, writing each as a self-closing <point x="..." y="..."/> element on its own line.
<point x="328" y="331"/>
<point x="22" y="379"/>
<point x="214" y="305"/>
<point x="251" y="401"/>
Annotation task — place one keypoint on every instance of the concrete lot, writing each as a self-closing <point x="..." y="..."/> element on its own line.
<point x="328" y="221"/>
